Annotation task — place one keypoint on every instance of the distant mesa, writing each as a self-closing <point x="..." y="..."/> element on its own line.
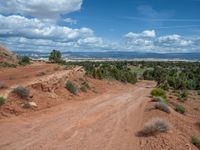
<point x="6" y="56"/>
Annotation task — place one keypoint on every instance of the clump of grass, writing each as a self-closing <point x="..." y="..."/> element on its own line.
<point x="70" y="86"/>
<point x="22" y="92"/>
<point x="183" y="96"/>
<point x="83" y="88"/>
<point x="198" y="92"/>
<point x="198" y="123"/>
<point x="3" y="85"/>
<point x="180" y="109"/>
<point x="2" y="101"/>
<point x="158" y="92"/>
<point x="159" y="99"/>
<point x="162" y="106"/>
<point x="155" y="126"/>
<point x="195" y="141"/>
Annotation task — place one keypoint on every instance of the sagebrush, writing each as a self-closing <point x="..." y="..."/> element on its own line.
<point x="23" y="92"/>
<point x="155" y="126"/>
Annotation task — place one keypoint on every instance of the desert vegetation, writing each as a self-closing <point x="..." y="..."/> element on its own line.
<point x="22" y="92"/>
<point x="162" y="106"/>
<point x="196" y="141"/>
<point x="155" y="126"/>
<point x="2" y="101"/>
<point x="24" y="60"/>
<point x="180" y="108"/>
<point x="70" y="86"/>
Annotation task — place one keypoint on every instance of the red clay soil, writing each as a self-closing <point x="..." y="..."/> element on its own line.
<point x="21" y="74"/>
<point x="182" y="127"/>
<point x="105" y="118"/>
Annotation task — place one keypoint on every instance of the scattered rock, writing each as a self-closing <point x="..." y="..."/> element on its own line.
<point x="29" y="105"/>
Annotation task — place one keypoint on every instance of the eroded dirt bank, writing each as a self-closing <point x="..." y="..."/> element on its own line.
<point x="107" y="121"/>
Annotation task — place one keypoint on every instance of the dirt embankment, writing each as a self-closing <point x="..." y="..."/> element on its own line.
<point x="7" y="56"/>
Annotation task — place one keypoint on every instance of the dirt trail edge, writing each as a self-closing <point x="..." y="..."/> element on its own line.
<point x="106" y="122"/>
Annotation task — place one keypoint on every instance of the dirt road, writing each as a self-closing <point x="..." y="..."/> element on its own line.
<point x="106" y="122"/>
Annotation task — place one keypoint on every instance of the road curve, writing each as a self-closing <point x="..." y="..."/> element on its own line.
<point x="106" y="122"/>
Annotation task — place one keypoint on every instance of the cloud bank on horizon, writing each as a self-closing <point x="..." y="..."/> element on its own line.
<point x="39" y="25"/>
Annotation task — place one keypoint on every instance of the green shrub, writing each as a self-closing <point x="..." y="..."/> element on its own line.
<point x="83" y="88"/>
<point x="70" y="86"/>
<point x="22" y="92"/>
<point x="183" y="96"/>
<point x="198" y="92"/>
<point x="154" y="126"/>
<point x="25" y="60"/>
<point x="195" y="141"/>
<point x="162" y="106"/>
<point x="55" y="56"/>
<point x="159" y="92"/>
<point x="2" y="101"/>
<point x="160" y="99"/>
<point x="5" y="64"/>
<point x="180" y="109"/>
<point x="198" y="124"/>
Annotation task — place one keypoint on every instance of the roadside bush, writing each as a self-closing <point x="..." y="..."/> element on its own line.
<point x="195" y="141"/>
<point x="22" y="92"/>
<point x="198" y="124"/>
<point x="55" y="56"/>
<point x="70" y="86"/>
<point x="159" y="99"/>
<point x="3" y="85"/>
<point x="5" y="64"/>
<point x="183" y="96"/>
<point x="83" y="88"/>
<point x="2" y="101"/>
<point x="159" y="92"/>
<point x="25" y="60"/>
<point x="162" y="106"/>
<point x="155" y="126"/>
<point x="180" y="109"/>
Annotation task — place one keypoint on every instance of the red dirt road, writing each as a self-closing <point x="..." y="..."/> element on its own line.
<point x="107" y="122"/>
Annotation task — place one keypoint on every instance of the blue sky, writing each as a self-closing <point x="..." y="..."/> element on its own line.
<point x="101" y="25"/>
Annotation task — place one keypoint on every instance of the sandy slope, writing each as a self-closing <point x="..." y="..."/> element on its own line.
<point x="106" y="122"/>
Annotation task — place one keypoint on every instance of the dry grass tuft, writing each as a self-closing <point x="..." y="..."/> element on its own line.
<point x="155" y="126"/>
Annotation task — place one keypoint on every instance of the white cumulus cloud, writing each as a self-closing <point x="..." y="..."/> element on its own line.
<point x="40" y="8"/>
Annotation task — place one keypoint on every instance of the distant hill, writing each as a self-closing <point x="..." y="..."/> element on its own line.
<point x="7" y="56"/>
<point x="116" y="55"/>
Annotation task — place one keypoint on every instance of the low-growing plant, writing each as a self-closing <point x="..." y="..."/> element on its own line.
<point x="183" y="96"/>
<point x="3" y="85"/>
<point x="180" y="109"/>
<point x="159" y="99"/>
<point x="71" y="87"/>
<point x="25" y="60"/>
<point x="2" y="101"/>
<point x="83" y="88"/>
<point x="198" y="124"/>
<point x="155" y="126"/>
<point x="162" y="106"/>
<point x="22" y="92"/>
<point x="159" y="92"/>
<point x="198" y="92"/>
<point x="195" y="141"/>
